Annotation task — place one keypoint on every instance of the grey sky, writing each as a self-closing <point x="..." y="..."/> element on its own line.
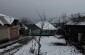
<point x="29" y="8"/>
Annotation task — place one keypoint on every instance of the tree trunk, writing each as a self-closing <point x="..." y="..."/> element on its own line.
<point x="39" y="45"/>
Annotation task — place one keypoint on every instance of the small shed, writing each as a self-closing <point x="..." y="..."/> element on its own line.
<point x="76" y="32"/>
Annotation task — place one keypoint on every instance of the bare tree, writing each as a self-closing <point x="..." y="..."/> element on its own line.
<point x="42" y="19"/>
<point x="74" y="18"/>
<point x="25" y="21"/>
<point x="61" y="22"/>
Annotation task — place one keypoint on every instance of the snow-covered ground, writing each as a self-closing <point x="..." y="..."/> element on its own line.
<point x="10" y="49"/>
<point x="47" y="47"/>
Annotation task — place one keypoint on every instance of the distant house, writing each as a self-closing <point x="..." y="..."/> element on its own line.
<point x="47" y="29"/>
<point x="9" y="28"/>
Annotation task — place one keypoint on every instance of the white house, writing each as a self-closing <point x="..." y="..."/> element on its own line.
<point x="46" y="27"/>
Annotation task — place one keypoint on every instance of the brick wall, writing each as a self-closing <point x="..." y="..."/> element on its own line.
<point x="14" y="32"/>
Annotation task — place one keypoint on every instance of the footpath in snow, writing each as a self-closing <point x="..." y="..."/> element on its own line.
<point x="47" y="48"/>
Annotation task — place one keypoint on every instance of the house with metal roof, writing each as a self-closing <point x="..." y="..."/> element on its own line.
<point x="44" y="28"/>
<point x="75" y="31"/>
<point x="9" y="28"/>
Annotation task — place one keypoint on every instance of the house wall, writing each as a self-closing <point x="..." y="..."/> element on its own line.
<point x="44" y="32"/>
<point x="49" y="32"/>
<point x="35" y="32"/>
<point x="3" y="33"/>
<point x="76" y="32"/>
<point x="14" y="32"/>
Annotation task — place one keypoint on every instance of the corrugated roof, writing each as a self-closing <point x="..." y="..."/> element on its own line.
<point x="6" y="19"/>
<point x="46" y="25"/>
<point x="76" y="23"/>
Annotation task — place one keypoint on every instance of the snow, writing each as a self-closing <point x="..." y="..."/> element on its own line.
<point x="1" y="22"/>
<point x="58" y="36"/>
<point x="70" y="23"/>
<point x="9" y="19"/>
<point x="25" y="27"/>
<point x="9" y="47"/>
<point x="6" y="19"/>
<point x="46" y="25"/>
<point x="1" y="50"/>
<point x="81" y="23"/>
<point x="2" y="15"/>
<point x="48" y="49"/>
<point x="76" y="23"/>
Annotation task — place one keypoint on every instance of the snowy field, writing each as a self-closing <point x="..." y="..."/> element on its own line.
<point x="47" y="48"/>
<point x="9" y="50"/>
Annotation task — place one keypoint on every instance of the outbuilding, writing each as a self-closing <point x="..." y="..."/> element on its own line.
<point x="9" y="28"/>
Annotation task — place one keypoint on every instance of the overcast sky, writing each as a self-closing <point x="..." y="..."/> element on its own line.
<point x="30" y="8"/>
